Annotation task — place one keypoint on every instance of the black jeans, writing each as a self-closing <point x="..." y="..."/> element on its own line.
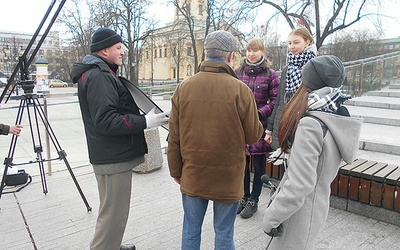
<point x="259" y="170"/>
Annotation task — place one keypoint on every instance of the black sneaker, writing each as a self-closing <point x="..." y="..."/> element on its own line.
<point x="127" y="247"/>
<point x="249" y="209"/>
<point x="242" y="204"/>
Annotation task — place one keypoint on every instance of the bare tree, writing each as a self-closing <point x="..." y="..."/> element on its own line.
<point x="219" y="14"/>
<point x="350" y="46"/>
<point x="127" y="18"/>
<point x="131" y="20"/>
<point x="78" y="28"/>
<point x="185" y="9"/>
<point x="323" y="17"/>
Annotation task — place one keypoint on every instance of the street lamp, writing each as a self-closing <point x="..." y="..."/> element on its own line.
<point x="11" y="52"/>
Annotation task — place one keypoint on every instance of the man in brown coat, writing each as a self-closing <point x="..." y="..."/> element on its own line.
<point x="213" y="117"/>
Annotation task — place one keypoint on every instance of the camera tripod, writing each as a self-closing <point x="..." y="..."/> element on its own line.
<point x="30" y="102"/>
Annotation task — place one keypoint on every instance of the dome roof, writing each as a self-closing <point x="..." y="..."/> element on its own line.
<point x="41" y="60"/>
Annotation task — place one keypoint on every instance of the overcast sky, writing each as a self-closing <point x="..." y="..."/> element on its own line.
<point x="26" y="15"/>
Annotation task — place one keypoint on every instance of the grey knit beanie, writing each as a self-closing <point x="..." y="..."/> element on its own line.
<point x="221" y="40"/>
<point x="104" y="38"/>
<point x="322" y="71"/>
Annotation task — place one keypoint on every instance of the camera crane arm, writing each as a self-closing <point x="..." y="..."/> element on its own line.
<point x="23" y="63"/>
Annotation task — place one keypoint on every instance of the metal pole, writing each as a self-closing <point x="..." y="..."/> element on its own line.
<point x="49" y="169"/>
<point x="381" y="62"/>
<point x="360" y="84"/>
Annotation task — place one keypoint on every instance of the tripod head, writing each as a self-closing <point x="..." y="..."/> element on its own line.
<point x="27" y="86"/>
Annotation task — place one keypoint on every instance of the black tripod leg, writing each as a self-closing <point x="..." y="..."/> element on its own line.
<point x="61" y="152"/>
<point x="3" y="180"/>
<point x="8" y="160"/>
<point x="63" y="155"/>
<point x="40" y="160"/>
<point x="37" y="146"/>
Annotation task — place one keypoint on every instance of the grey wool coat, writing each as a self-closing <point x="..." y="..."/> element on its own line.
<point x="273" y="120"/>
<point x="301" y="202"/>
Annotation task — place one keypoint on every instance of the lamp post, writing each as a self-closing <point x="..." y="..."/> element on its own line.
<point x="12" y="49"/>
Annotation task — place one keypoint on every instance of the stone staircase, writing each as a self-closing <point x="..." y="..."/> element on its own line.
<point x="380" y="133"/>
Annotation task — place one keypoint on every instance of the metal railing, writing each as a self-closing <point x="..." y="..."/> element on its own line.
<point x="363" y="75"/>
<point x="372" y="73"/>
<point x="165" y="89"/>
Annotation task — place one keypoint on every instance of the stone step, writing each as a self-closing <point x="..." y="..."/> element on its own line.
<point x="375" y="102"/>
<point x="387" y="92"/>
<point x="379" y="157"/>
<point x="380" y="138"/>
<point x="389" y="117"/>
<point x="380" y="131"/>
<point x="394" y="86"/>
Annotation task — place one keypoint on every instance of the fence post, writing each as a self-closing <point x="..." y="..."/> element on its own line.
<point x="381" y="62"/>
<point x="49" y="168"/>
<point x="360" y="84"/>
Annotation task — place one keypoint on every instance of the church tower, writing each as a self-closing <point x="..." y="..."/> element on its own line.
<point x="195" y="8"/>
<point x="172" y="53"/>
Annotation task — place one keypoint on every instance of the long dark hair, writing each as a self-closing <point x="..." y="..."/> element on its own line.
<point x="291" y="115"/>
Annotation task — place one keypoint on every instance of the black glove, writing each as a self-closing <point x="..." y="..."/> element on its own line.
<point x="275" y="232"/>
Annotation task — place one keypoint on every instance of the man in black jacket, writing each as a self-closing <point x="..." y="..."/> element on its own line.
<point x="114" y="131"/>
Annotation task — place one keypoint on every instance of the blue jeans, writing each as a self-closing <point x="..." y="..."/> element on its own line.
<point x="224" y="219"/>
<point x="259" y="170"/>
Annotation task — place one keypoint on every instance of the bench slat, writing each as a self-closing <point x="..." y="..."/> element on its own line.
<point x="393" y="177"/>
<point x="381" y="175"/>
<point x="346" y="169"/>
<point x="388" y="196"/>
<point x="356" y="172"/>
<point x="397" y="201"/>
<point x="367" y="174"/>
<point x="335" y="182"/>
<point x="376" y="193"/>
<point x="344" y="177"/>
<point x="355" y="189"/>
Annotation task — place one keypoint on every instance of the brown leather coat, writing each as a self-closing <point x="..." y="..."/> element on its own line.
<point x="213" y="117"/>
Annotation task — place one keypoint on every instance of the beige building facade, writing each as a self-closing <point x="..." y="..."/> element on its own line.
<point x="168" y="54"/>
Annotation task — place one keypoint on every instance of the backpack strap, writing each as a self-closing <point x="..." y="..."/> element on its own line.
<point x="323" y="125"/>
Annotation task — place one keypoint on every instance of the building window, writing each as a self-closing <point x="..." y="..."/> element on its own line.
<point x="189" y="70"/>
<point x="200" y="9"/>
<point x="165" y="52"/>
<point x="174" y="51"/>
<point x="147" y="54"/>
<point x="189" y="51"/>
<point x="155" y="53"/>
<point x="160" y="53"/>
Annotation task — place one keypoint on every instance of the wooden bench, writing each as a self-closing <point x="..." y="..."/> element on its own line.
<point x="369" y="182"/>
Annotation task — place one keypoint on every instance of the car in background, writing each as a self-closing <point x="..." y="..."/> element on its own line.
<point x="3" y="82"/>
<point x="57" y="83"/>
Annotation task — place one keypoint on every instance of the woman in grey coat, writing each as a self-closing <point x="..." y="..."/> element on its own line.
<point x="316" y="133"/>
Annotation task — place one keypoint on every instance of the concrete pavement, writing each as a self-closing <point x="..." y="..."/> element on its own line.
<point x="59" y="220"/>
